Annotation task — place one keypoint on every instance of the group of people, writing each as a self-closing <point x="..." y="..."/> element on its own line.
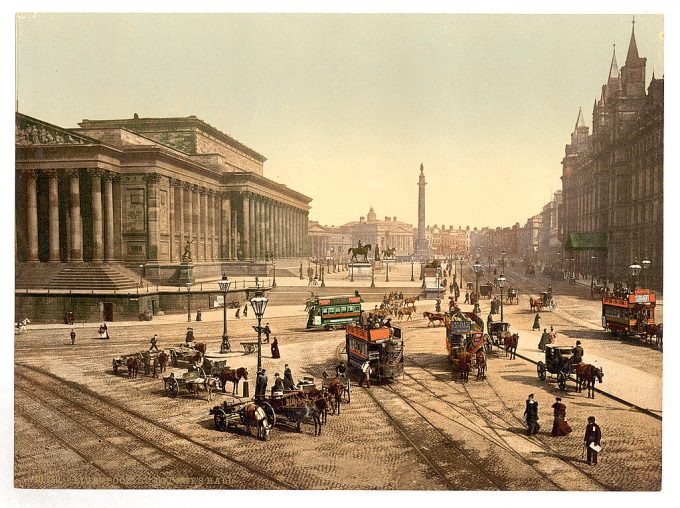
<point x="280" y="384"/>
<point x="547" y="338"/>
<point x="591" y="439"/>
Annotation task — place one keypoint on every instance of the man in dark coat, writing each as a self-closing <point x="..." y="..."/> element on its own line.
<point x="537" y="322"/>
<point x="73" y="337"/>
<point x="592" y="436"/>
<point x="576" y="354"/>
<point x="267" y="332"/>
<point x="288" y="383"/>
<point x="190" y="336"/>
<point x="261" y="384"/>
<point x="531" y="415"/>
<point x="545" y="339"/>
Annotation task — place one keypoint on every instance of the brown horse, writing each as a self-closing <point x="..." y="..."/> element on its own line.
<point x="480" y="360"/>
<point x="434" y="317"/>
<point x="133" y="364"/>
<point x="510" y="342"/>
<point x="536" y="304"/>
<point x="335" y="389"/>
<point x="321" y="402"/>
<point x="233" y="375"/>
<point x="162" y="361"/>
<point x="305" y="410"/>
<point x="405" y="311"/>
<point x="586" y="374"/>
<point x="464" y="365"/>
<point x="412" y="300"/>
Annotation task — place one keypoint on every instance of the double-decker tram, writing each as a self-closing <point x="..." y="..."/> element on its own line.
<point x="328" y="312"/>
<point x="629" y="315"/>
<point x="382" y="347"/>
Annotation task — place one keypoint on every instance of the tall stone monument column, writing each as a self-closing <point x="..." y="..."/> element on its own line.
<point x="422" y="251"/>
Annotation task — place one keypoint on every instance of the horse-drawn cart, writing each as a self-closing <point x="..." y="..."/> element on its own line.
<point x="485" y="291"/>
<point x="557" y="361"/>
<point x="259" y="414"/>
<point x="496" y="336"/>
<point x="512" y="296"/>
<point x="185" y="355"/>
<point x="344" y="382"/>
<point x="193" y="382"/>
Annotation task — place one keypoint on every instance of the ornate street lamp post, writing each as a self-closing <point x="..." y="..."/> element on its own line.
<point x="141" y="272"/>
<point x="224" y="288"/>
<point x="412" y="279"/>
<point x="592" y="269"/>
<point x="501" y="283"/>
<point x="259" y="304"/>
<point x="323" y="283"/>
<point x="372" y="275"/>
<point x="634" y="270"/>
<point x="387" y="272"/>
<point x="461" y="272"/>
<point x="351" y="272"/>
<point x="477" y="267"/>
<point x="646" y="263"/>
<point x="188" y="301"/>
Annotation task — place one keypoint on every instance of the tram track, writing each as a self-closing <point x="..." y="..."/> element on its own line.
<point x="152" y="434"/>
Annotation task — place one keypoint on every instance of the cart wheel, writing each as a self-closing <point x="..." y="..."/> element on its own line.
<point x="171" y="387"/>
<point x="562" y="380"/>
<point x="271" y="415"/>
<point x="540" y="369"/>
<point x="488" y="345"/>
<point x="201" y="372"/>
<point x="220" y="419"/>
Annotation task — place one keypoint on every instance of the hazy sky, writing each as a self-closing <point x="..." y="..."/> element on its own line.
<point x="346" y="107"/>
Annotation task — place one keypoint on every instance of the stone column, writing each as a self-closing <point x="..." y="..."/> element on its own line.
<point x="75" y="220"/>
<point x="32" y="214"/>
<point x="212" y="230"/>
<point x="267" y="244"/>
<point x="245" y="236"/>
<point x="258" y="228"/>
<point x="226" y="227"/>
<point x="200" y="224"/>
<point x="270" y="228"/>
<point x="108" y="217"/>
<point x="189" y="219"/>
<point x="253" y="226"/>
<point x="54" y="215"/>
<point x="97" y="215"/>
<point x="152" y="206"/>
<point x="171" y="217"/>
<point x="180" y="188"/>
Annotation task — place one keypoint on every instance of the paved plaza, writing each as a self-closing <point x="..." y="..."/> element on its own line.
<point x="78" y="425"/>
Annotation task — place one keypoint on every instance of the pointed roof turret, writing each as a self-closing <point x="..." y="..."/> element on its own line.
<point x="579" y="119"/>
<point x="633" y="55"/>
<point x="614" y="68"/>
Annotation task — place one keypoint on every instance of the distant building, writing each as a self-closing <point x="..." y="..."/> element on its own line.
<point x="328" y="241"/>
<point x="549" y="242"/>
<point x="444" y="242"/>
<point x="612" y="179"/>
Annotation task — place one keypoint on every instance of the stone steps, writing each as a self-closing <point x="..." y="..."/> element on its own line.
<point x="97" y="276"/>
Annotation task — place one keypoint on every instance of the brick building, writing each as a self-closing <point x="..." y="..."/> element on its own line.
<point x="444" y="242"/>
<point x="612" y="178"/>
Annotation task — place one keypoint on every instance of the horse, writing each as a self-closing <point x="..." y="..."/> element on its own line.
<point x="510" y="343"/>
<point x="162" y="360"/>
<point x="464" y="365"/>
<point x="321" y="402"/>
<point x="480" y="360"/>
<point x="433" y="317"/>
<point x="210" y="386"/>
<point x="133" y="363"/>
<point x="234" y="376"/>
<point x="536" y="304"/>
<point x="412" y="300"/>
<point x="359" y="251"/>
<point x="255" y="416"/>
<point x="405" y="311"/>
<point x="22" y="325"/>
<point x="586" y="375"/>
<point x="306" y="410"/>
<point x="335" y="388"/>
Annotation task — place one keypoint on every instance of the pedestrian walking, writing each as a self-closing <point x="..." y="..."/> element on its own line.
<point x="288" y="383"/>
<point x="275" y="348"/>
<point x="560" y="425"/>
<point x="198" y="315"/>
<point x="365" y="374"/>
<point x="238" y="313"/>
<point x="245" y="310"/>
<point x="591" y="441"/>
<point x="545" y="339"/>
<point x="154" y="343"/>
<point x="73" y="337"/>
<point x="267" y="331"/>
<point x="467" y="296"/>
<point x="537" y="322"/>
<point x="341" y="369"/>
<point x="531" y="415"/>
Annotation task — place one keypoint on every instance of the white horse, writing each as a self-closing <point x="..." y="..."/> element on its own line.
<point x="21" y="325"/>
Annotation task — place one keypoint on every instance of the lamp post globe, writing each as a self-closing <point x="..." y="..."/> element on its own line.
<point x="224" y="288"/>
<point x="259" y="304"/>
<point x="634" y="270"/>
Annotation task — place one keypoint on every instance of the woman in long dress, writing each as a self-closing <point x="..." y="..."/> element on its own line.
<point x="275" y="348"/>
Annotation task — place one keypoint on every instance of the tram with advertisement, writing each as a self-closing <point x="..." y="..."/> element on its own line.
<point x="329" y="312"/>
<point x="629" y="315"/>
<point x="382" y="347"/>
<point x="464" y="333"/>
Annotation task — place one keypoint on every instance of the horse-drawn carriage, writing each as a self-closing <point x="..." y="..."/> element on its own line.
<point x="148" y="360"/>
<point x="465" y="339"/>
<point x="193" y="382"/>
<point x="186" y="355"/>
<point x="557" y="362"/>
<point x="486" y="290"/>
<point x="500" y="336"/>
<point x="258" y="414"/>
<point x="546" y="302"/>
<point x="512" y="296"/>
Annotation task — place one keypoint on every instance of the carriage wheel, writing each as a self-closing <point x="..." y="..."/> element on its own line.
<point x="171" y="387"/>
<point x="201" y="372"/>
<point x="271" y="415"/>
<point x="220" y="419"/>
<point x="488" y="345"/>
<point x="540" y="369"/>
<point x="562" y="380"/>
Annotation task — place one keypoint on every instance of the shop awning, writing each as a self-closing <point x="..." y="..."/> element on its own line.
<point x="586" y="241"/>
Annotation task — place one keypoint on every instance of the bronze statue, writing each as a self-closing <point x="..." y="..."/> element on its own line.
<point x="186" y="257"/>
<point x="361" y="250"/>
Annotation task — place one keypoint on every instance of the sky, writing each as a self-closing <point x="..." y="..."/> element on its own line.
<point x="346" y="107"/>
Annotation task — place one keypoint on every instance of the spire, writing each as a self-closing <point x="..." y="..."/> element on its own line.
<point x="579" y="120"/>
<point x="421" y="167"/>
<point x="614" y="68"/>
<point x="633" y="55"/>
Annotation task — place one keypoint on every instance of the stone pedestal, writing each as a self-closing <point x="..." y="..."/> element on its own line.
<point x="186" y="273"/>
<point x="361" y="270"/>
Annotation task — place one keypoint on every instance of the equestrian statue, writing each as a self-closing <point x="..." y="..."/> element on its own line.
<point x="360" y="250"/>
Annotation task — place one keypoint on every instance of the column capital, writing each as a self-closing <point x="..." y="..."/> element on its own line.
<point x="110" y="175"/>
<point x="202" y="190"/>
<point x="29" y="173"/>
<point x="95" y="172"/>
<point x="174" y="182"/>
<point x="71" y="173"/>
<point x="50" y="173"/>
<point x="152" y="178"/>
<point x="194" y="187"/>
<point x="224" y="194"/>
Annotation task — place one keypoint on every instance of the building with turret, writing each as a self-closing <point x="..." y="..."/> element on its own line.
<point x="612" y="178"/>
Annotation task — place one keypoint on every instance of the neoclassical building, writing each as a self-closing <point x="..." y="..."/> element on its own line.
<point x="386" y="234"/>
<point x="612" y="178"/>
<point x="138" y="191"/>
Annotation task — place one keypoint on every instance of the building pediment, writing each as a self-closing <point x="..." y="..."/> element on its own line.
<point x="31" y="131"/>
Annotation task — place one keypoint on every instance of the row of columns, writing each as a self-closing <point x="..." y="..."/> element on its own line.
<point x="271" y="228"/>
<point x="102" y="215"/>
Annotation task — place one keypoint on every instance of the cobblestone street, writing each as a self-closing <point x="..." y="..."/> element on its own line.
<point x="79" y="425"/>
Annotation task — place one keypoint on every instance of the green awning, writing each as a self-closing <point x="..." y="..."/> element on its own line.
<point x="586" y="241"/>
